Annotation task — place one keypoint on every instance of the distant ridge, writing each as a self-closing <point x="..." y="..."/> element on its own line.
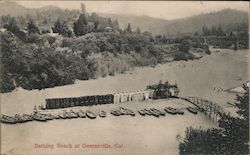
<point x="227" y="18"/>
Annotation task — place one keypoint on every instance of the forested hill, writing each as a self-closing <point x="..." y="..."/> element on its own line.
<point x="146" y="23"/>
<point x="229" y="19"/>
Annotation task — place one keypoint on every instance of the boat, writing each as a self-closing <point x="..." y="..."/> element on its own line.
<point x="102" y="113"/>
<point x="155" y="112"/>
<point x="160" y="112"/>
<point x="27" y="117"/>
<point x="81" y="114"/>
<point x="171" y="110"/>
<point x="19" y="119"/>
<point x="192" y="110"/>
<point x="67" y="114"/>
<point x="8" y="119"/>
<point x="116" y="112"/>
<point x="48" y="116"/>
<point x="148" y="112"/>
<point x="56" y="116"/>
<point x="142" y="112"/>
<point x="62" y="115"/>
<point x="39" y="117"/>
<point x="180" y="112"/>
<point x="90" y="114"/>
<point x="73" y="114"/>
<point x="131" y="113"/>
<point x="125" y="111"/>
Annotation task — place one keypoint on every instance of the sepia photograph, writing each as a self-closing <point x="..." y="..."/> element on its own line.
<point x="124" y="77"/>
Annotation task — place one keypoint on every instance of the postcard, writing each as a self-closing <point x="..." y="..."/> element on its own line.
<point x="124" y="77"/>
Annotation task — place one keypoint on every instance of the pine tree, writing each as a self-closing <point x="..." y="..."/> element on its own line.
<point x="129" y="28"/>
<point x="80" y="26"/>
<point x="32" y="28"/>
<point x="242" y="102"/>
<point x="62" y="28"/>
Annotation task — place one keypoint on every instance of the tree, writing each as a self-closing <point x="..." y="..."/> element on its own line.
<point x="62" y="28"/>
<point x="129" y="28"/>
<point x="242" y="102"/>
<point x="232" y="138"/>
<point x="32" y="28"/>
<point x="80" y="26"/>
<point x="184" y="46"/>
<point x="14" y="28"/>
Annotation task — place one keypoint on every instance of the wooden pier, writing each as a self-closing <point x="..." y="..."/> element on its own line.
<point x="209" y="108"/>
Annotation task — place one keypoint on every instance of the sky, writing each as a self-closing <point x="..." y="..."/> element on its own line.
<point x="159" y="9"/>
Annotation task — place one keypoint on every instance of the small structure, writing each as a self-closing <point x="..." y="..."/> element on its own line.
<point x="108" y="29"/>
<point x="161" y="90"/>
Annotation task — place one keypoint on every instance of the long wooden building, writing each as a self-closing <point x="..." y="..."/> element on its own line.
<point x="56" y="103"/>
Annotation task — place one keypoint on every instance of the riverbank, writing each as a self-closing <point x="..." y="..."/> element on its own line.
<point x="138" y="135"/>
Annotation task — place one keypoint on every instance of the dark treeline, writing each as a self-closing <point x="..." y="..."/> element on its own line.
<point x="82" y="47"/>
<point x="234" y="37"/>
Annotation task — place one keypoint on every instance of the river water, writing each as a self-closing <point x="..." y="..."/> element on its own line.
<point x="138" y="135"/>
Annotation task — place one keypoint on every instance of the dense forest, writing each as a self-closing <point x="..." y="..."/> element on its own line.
<point x="45" y="50"/>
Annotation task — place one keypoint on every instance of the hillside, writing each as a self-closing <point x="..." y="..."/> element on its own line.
<point x="8" y="7"/>
<point x="229" y="19"/>
<point x="186" y="25"/>
<point x="146" y="23"/>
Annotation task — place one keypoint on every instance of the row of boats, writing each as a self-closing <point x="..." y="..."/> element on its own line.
<point x="43" y="117"/>
<point x="173" y="111"/>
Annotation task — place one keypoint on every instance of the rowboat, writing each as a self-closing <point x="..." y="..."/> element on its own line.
<point x="192" y="110"/>
<point x="56" y="116"/>
<point x="102" y="113"/>
<point x="19" y="119"/>
<point x="81" y="114"/>
<point x="90" y="114"/>
<point x="155" y="112"/>
<point x="142" y="112"/>
<point x="48" y="116"/>
<point x="67" y="114"/>
<point x="8" y="120"/>
<point x="148" y="112"/>
<point x="39" y="117"/>
<point x="132" y="113"/>
<point x="116" y="112"/>
<point x="160" y="112"/>
<point x="125" y="111"/>
<point x="170" y="110"/>
<point x="73" y="114"/>
<point x="180" y="111"/>
<point x="62" y="115"/>
<point x="27" y="117"/>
